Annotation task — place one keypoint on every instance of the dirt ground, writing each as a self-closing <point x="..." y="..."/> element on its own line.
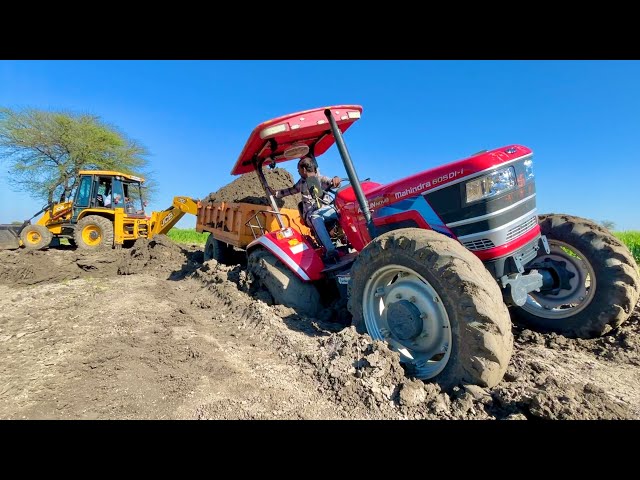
<point x="152" y="332"/>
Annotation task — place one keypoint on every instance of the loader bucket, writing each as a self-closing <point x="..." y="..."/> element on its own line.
<point x="10" y="237"/>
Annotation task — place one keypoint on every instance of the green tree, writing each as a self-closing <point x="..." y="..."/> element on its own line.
<point x="46" y="150"/>
<point x="608" y="224"/>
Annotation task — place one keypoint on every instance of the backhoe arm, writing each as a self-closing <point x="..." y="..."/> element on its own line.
<point x="162" y="222"/>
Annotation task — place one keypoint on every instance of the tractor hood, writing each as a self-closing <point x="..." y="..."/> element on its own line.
<point x="291" y="136"/>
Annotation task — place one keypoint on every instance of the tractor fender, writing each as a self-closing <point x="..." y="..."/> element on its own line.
<point x="294" y="251"/>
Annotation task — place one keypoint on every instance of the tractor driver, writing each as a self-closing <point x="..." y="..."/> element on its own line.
<point x="316" y="204"/>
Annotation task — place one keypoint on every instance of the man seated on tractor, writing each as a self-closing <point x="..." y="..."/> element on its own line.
<point x="315" y="201"/>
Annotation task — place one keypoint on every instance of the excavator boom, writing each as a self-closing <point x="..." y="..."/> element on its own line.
<point x="162" y="222"/>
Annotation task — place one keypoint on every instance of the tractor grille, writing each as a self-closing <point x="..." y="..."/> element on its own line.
<point x="521" y="229"/>
<point x="481" y="244"/>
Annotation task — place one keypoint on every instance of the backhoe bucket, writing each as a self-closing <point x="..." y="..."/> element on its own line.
<point x="10" y="237"/>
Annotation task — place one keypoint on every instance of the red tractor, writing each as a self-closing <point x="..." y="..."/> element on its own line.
<point x="435" y="263"/>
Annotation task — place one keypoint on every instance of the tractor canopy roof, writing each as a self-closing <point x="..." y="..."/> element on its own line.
<point x="111" y="173"/>
<point x="293" y="136"/>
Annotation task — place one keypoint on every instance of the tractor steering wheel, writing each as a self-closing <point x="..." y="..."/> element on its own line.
<point x="334" y="191"/>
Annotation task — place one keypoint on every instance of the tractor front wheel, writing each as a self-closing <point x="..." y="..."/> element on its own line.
<point x="434" y="303"/>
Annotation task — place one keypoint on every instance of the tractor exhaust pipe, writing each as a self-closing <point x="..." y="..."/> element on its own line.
<point x="351" y="173"/>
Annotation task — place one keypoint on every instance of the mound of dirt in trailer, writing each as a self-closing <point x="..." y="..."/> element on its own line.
<point x="152" y="332"/>
<point x="248" y="189"/>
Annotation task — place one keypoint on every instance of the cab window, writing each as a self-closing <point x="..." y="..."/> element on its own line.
<point x="84" y="193"/>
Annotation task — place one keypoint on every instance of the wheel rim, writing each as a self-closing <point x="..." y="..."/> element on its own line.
<point x="403" y="309"/>
<point x="568" y="302"/>
<point x="92" y="235"/>
<point x="34" y="238"/>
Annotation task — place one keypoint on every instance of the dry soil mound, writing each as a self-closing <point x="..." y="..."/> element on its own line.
<point x="247" y="189"/>
<point x="159" y="256"/>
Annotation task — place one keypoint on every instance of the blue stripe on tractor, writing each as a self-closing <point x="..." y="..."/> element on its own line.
<point x="420" y="205"/>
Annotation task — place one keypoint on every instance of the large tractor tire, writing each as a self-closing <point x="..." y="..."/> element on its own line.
<point x="283" y="285"/>
<point x="599" y="283"/>
<point x="220" y="251"/>
<point x="94" y="232"/>
<point x="36" y="237"/>
<point x="436" y="304"/>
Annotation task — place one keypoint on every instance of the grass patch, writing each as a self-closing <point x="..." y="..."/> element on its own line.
<point x="631" y="239"/>
<point x="188" y="236"/>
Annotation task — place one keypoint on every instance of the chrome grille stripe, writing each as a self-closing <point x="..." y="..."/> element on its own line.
<point x="489" y="215"/>
<point x="499" y="235"/>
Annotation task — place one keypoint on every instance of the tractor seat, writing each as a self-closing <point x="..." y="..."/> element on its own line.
<point x="301" y="212"/>
<point x="329" y="224"/>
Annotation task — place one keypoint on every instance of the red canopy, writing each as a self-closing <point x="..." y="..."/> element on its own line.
<point x="292" y="132"/>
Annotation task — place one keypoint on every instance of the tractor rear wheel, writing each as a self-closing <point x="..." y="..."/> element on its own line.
<point x="36" y="237"/>
<point x="220" y="251"/>
<point x="598" y="280"/>
<point x="283" y="285"/>
<point x="436" y="304"/>
<point x="94" y="232"/>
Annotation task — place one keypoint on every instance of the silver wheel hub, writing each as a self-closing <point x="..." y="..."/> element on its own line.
<point x="404" y="320"/>
<point x="403" y="309"/>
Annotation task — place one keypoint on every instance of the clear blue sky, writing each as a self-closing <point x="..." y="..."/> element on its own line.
<point x="580" y="118"/>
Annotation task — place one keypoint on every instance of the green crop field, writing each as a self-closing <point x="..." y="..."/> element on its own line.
<point x="185" y="235"/>
<point x="632" y="240"/>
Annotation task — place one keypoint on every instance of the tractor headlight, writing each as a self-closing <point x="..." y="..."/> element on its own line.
<point x="491" y="185"/>
<point x="528" y="170"/>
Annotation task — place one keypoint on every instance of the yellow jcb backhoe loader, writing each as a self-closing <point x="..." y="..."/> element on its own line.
<point x="107" y="211"/>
